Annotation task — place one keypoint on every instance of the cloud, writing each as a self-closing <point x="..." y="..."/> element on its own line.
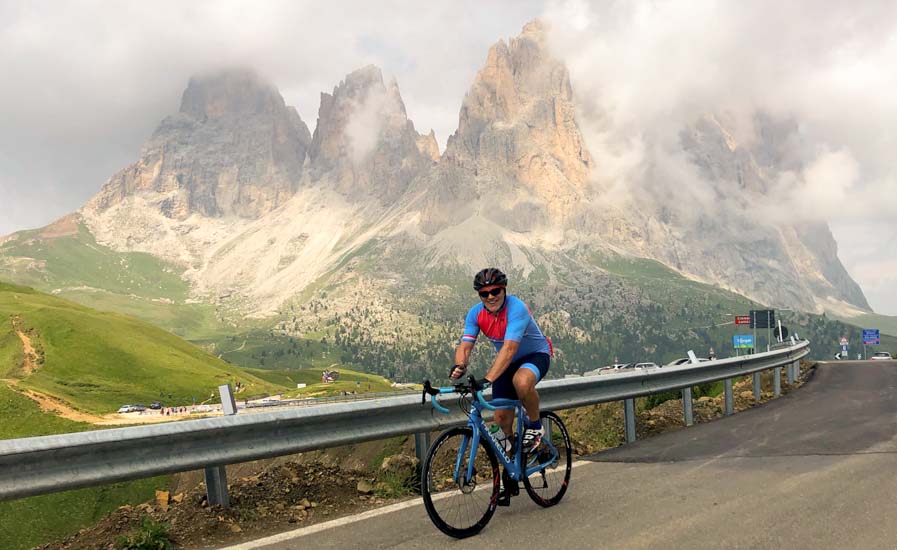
<point x="86" y="82"/>
<point x="643" y="70"/>
<point x="366" y="122"/>
<point x="869" y="245"/>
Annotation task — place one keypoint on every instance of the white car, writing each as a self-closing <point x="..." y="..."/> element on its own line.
<point x="127" y="408"/>
<point x="881" y="356"/>
<point x="685" y="361"/>
<point x="602" y="370"/>
<point x="647" y="365"/>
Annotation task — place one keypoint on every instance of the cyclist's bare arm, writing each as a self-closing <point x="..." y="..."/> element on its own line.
<point x="462" y="356"/>
<point x="503" y="359"/>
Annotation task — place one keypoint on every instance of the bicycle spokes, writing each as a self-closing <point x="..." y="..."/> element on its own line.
<point x="549" y="467"/>
<point x="459" y="486"/>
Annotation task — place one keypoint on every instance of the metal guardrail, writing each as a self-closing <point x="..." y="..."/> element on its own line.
<point x="38" y="465"/>
<point x="314" y="401"/>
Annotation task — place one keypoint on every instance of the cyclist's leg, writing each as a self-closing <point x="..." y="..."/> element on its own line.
<point x="525" y="379"/>
<point x="503" y="387"/>
<point x="525" y="386"/>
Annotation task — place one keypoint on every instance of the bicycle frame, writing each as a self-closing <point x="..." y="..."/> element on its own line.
<point x="514" y="467"/>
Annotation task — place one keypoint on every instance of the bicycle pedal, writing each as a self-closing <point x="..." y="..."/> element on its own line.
<point x="504" y="499"/>
<point x="508" y="485"/>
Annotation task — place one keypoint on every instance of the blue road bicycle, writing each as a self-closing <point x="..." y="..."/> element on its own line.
<point x="460" y="478"/>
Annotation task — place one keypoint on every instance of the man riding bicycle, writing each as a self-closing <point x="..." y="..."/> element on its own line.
<point x="524" y="353"/>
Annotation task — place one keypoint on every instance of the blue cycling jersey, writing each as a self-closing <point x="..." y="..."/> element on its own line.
<point x="512" y="322"/>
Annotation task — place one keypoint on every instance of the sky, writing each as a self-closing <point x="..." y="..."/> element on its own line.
<point x="86" y="82"/>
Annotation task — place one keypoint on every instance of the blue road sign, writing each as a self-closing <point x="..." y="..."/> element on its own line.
<point x="742" y="341"/>
<point x="871" y="337"/>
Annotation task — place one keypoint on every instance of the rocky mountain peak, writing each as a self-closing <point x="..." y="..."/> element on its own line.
<point x="515" y="173"/>
<point x="364" y="144"/>
<point x="234" y="148"/>
<point x="230" y="92"/>
<point x="535" y="28"/>
<point x="517" y="138"/>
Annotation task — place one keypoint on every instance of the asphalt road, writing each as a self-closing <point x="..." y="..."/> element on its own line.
<point x="814" y="469"/>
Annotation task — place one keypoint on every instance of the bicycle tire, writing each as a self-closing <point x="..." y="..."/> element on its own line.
<point x="452" y="506"/>
<point x="555" y="477"/>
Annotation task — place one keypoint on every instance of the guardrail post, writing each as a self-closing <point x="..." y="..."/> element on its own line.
<point x="791" y="377"/>
<point x="729" y="404"/>
<point x="216" y="476"/>
<point x="216" y="486"/>
<point x="629" y="417"/>
<point x="686" y="406"/>
<point x="777" y="381"/>
<point x="797" y="370"/>
<point x="421" y="446"/>
<point x="757" y="392"/>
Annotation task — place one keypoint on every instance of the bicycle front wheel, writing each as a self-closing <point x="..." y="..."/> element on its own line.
<point x="458" y="506"/>
<point x="555" y="457"/>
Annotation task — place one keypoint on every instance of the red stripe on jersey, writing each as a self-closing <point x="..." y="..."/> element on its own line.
<point x="493" y="326"/>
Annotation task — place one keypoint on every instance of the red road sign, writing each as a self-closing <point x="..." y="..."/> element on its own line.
<point x="843" y="340"/>
<point x="742" y="319"/>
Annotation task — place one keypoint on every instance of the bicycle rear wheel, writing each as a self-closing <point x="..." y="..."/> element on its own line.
<point x="459" y="507"/>
<point x="547" y="486"/>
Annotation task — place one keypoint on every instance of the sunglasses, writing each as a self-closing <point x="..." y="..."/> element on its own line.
<point x="493" y="292"/>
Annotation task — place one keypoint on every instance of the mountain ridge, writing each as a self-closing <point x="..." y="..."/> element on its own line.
<point x="516" y="186"/>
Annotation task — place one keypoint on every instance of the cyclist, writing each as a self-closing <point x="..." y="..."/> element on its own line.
<point x="524" y="353"/>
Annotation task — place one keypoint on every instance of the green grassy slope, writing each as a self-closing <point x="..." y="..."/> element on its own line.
<point x="76" y="267"/>
<point x="78" y="260"/>
<point x="32" y="521"/>
<point x="97" y="361"/>
<point x="348" y="381"/>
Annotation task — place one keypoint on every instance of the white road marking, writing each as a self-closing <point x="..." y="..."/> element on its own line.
<point x="348" y="520"/>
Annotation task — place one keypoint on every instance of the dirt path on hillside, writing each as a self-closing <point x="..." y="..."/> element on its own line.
<point x="29" y="356"/>
<point x="57" y="406"/>
<point x="54" y="405"/>
<point x="51" y="404"/>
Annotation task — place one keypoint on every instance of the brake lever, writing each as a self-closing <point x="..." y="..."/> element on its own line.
<point x="428" y="389"/>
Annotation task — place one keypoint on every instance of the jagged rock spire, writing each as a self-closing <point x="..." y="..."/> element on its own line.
<point x="517" y="138"/>
<point x="364" y="143"/>
<point x="234" y="148"/>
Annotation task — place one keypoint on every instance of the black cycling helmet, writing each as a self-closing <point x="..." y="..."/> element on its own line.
<point x="489" y="276"/>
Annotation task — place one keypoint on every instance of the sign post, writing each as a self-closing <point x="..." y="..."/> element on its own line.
<point x="763" y="318"/>
<point x="742" y="341"/>
<point x="871" y="337"/>
<point x="741" y="320"/>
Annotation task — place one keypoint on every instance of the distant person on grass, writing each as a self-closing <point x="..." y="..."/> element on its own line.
<point x="524" y="353"/>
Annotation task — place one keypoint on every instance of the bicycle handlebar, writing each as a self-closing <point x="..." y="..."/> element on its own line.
<point x="472" y="386"/>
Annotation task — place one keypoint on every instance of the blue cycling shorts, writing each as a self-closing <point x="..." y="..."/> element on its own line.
<point x="538" y="363"/>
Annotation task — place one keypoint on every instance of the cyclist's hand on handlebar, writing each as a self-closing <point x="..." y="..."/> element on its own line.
<point x="457" y="371"/>
<point x="479" y="383"/>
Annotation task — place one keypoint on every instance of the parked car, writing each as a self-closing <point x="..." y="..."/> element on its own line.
<point x="881" y="356"/>
<point x="156" y="405"/>
<point x="128" y="408"/>
<point x="647" y="365"/>
<point x="685" y="360"/>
